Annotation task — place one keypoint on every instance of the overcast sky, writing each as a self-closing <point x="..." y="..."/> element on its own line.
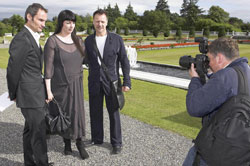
<point x="236" y="8"/>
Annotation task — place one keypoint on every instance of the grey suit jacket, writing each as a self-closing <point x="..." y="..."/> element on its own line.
<point x="24" y="71"/>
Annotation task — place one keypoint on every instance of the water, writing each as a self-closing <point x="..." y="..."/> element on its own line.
<point x="168" y="70"/>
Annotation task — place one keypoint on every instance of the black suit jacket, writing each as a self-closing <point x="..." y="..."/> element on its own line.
<point x="24" y="71"/>
<point x="113" y="55"/>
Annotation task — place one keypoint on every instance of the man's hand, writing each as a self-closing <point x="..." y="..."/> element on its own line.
<point x="192" y="71"/>
<point x="125" y="88"/>
<point x="12" y="100"/>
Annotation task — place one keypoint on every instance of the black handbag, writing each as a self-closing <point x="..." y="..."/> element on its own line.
<point x="59" y="123"/>
<point x="115" y="86"/>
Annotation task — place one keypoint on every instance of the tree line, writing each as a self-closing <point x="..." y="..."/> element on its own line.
<point x="191" y="18"/>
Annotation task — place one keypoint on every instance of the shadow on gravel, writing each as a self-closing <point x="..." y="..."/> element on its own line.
<point x="11" y="138"/>
<point x="6" y="162"/>
<point x="185" y="119"/>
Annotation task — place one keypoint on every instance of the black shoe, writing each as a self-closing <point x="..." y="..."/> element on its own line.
<point x="67" y="152"/>
<point x="117" y="149"/>
<point x="80" y="146"/>
<point x="67" y="146"/>
<point x="51" y="164"/>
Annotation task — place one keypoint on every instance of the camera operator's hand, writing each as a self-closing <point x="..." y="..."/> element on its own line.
<point x="192" y="71"/>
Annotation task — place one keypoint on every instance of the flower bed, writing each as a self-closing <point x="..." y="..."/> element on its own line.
<point x="129" y="39"/>
<point x="164" y="46"/>
<point x="244" y="41"/>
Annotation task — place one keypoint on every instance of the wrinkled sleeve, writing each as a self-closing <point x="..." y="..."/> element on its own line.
<point x="123" y="58"/>
<point x="49" y="54"/>
<point x="19" y="48"/>
<point x="85" y="61"/>
<point x="201" y="100"/>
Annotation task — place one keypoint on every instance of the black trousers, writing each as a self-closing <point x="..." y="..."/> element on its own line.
<point x="96" y="119"/>
<point x="34" y="137"/>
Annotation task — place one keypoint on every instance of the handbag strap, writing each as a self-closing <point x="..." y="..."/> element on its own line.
<point x="59" y="107"/>
<point x="103" y="66"/>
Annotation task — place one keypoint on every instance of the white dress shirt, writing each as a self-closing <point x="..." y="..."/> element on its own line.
<point x="35" y="35"/>
<point x="100" y="42"/>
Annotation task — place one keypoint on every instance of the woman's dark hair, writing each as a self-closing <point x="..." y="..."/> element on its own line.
<point x="67" y="15"/>
<point x="33" y="9"/>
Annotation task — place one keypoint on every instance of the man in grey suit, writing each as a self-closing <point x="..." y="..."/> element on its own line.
<point x="26" y="86"/>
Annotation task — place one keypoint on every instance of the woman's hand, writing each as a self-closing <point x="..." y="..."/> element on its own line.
<point x="50" y="97"/>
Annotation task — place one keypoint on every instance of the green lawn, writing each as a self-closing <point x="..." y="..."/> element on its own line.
<point x="172" y="56"/>
<point x="4" y="55"/>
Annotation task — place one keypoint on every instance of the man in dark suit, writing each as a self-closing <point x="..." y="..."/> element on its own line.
<point x="112" y="51"/>
<point x="26" y="86"/>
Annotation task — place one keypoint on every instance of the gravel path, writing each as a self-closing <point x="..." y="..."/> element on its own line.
<point x="144" y="145"/>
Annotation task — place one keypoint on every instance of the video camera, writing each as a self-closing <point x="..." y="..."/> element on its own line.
<point x="201" y="61"/>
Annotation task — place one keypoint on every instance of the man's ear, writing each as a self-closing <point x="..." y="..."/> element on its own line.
<point x="29" y="17"/>
<point x="220" y="58"/>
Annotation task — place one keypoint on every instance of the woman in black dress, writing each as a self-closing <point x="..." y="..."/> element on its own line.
<point x="63" y="57"/>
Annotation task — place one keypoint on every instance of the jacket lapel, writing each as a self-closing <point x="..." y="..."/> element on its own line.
<point x="37" y="49"/>
<point x="108" y="45"/>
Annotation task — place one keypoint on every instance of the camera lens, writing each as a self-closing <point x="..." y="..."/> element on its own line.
<point x="186" y="61"/>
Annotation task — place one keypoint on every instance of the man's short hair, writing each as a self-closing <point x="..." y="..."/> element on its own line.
<point x="100" y="12"/>
<point x="33" y="9"/>
<point x="228" y="47"/>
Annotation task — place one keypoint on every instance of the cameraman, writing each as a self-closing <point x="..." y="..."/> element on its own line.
<point x="204" y="100"/>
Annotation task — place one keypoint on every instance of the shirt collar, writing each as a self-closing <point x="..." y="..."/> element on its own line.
<point x="34" y="34"/>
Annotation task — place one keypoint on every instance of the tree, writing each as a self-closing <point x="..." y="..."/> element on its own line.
<point x="89" y="31"/>
<point x="246" y="27"/>
<point x="113" y="14"/>
<point x="206" y="32"/>
<point x="192" y="32"/>
<point x="87" y="22"/>
<point x="176" y="21"/>
<point x="221" y="32"/>
<point x="155" y="21"/>
<point x="2" y="29"/>
<point x="118" y="30"/>
<point x="133" y="25"/>
<point x="166" y="32"/>
<point x="191" y="12"/>
<point x="6" y="21"/>
<point x="218" y="14"/>
<point x="121" y="23"/>
<point x="162" y="5"/>
<point x="79" y="21"/>
<point x="204" y="22"/>
<point x="126" y="31"/>
<point x="178" y="34"/>
<point x="145" y="32"/>
<point x="132" y="17"/>
<point x="130" y="14"/>
<point x="17" y="23"/>
<point x="184" y="7"/>
<point x="236" y="22"/>
<point x="50" y="27"/>
<point x="155" y="30"/>
<point x="116" y="11"/>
